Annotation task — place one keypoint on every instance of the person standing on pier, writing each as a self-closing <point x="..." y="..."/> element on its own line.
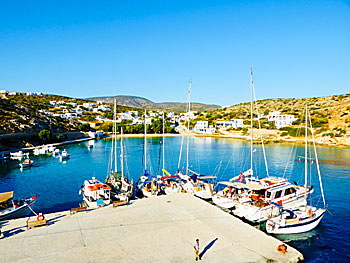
<point x="196" y="250"/>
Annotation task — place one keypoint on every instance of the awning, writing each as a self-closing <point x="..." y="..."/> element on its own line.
<point x="6" y="196"/>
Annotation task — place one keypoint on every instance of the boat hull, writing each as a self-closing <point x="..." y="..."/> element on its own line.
<point x="21" y="211"/>
<point x="304" y="225"/>
<point x="223" y="202"/>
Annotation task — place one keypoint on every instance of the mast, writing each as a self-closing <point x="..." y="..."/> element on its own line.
<point x="188" y="125"/>
<point x="145" y="161"/>
<point x="115" y="134"/>
<point x="317" y="165"/>
<point x="251" y="119"/>
<point x="305" y="152"/>
<point x="163" y="145"/>
<point x="121" y="152"/>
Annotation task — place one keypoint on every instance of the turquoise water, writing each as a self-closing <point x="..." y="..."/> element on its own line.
<point x="57" y="184"/>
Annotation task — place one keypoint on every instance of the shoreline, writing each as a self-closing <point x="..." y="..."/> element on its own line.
<point x="279" y="140"/>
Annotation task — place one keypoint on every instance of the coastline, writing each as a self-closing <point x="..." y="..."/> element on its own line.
<point x="319" y="141"/>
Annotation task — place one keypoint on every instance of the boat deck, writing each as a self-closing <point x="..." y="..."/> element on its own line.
<point x="158" y="229"/>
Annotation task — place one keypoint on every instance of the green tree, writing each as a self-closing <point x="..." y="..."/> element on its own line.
<point x="45" y="136"/>
<point x="84" y="127"/>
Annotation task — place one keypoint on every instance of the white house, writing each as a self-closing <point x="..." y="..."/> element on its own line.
<point x="281" y="120"/>
<point x="202" y="127"/>
<point x="237" y="123"/>
<point x="13" y="93"/>
<point x="234" y="123"/>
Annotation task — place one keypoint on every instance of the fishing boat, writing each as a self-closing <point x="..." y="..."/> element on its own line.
<point x="10" y="209"/>
<point x="26" y="163"/>
<point x="307" y="217"/>
<point x="122" y="188"/>
<point x="95" y="193"/>
<point x="147" y="185"/>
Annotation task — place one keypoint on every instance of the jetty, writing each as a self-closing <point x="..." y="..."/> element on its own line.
<point x="157" y="229"/>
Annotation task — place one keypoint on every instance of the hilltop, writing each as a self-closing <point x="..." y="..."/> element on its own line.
<point x="139" y="102"/>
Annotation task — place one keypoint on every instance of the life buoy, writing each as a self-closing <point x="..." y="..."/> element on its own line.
<point x="40" y="217"/>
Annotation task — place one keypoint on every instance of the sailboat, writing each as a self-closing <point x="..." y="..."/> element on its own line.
<point x="307" y="217"/>
<point x="169" y="184"/>
<point x="255" y="201"/>
<point x="235" y="191"/>
<point x="122" y="188"/>
<point x="197" y="184"/>
<point x="147" y="185"/>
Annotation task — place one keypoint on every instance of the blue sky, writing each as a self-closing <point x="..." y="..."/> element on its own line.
<point x="153" y="48"/>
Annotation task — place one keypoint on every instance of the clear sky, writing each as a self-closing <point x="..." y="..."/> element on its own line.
<point x="153" y="48"/>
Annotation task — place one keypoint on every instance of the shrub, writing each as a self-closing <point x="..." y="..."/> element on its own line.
<point x="45" y="136"/>
<point x="84" y="127"/>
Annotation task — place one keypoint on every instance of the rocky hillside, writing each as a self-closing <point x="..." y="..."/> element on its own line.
<point x="138" y="102"/>
<point x="19" y="114"/>
<point x="330" y="116"/>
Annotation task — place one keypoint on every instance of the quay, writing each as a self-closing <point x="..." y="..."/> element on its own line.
<point x="157" y="229"/>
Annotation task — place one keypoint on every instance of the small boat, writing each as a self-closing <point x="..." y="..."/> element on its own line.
<point x="26" y="163"/>
<point x="91" y="144"/>
<point x="10" y="209"/>
<point x="64" y="155"/>
<point x="95" y="193"/>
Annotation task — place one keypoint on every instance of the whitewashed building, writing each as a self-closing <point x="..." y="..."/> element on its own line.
<point x="234" y="123"/>
<point x="281" y="120"/>
<point x="203" y="128"/>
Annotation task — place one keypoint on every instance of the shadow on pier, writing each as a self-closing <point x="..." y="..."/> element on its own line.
<point x="207" y="248"/>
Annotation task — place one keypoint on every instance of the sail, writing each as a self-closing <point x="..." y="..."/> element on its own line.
<point x="5" y="196"/>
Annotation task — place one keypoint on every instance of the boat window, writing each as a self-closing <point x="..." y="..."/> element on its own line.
<point x="268" y="194"/>
<point x="289" y="191"/>
<point x="278" y="194"/>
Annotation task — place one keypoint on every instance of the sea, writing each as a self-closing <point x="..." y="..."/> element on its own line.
<point x="57" y="184"/>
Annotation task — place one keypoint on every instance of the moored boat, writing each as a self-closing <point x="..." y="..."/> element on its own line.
<point x="305" y="218"/>
<point x="10" y="209"/>
<point x="95" y="193"/>
<point x="26" y="163"/>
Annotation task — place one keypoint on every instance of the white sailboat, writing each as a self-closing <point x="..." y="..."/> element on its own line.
<point x="195" y="183"/>
<point x="169" y="184"/>
<point x="255" y="203"/>
<point x="147" y="185"/>
<point x="307" y="217"/>
<point x="232" y="194"/>
<point x="122" y="188"/>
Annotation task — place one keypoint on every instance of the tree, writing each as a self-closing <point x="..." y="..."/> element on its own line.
<point x="84" y="127"/>
<point x="45" y="136"/>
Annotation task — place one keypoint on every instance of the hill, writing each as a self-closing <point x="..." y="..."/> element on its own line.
<point x="139" y="102"/>
<point x="330" y="117"/>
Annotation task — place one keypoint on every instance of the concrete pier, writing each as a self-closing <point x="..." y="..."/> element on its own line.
<point x="159" y="229"/>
